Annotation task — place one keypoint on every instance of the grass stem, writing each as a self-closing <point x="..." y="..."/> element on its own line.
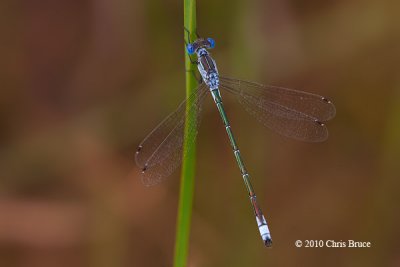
<point x="188" y="163"/>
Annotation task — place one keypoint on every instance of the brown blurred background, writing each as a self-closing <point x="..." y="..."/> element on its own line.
<point x="83" y="82"/>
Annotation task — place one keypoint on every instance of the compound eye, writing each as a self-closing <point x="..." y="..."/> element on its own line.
<point x="211" y="42"/>
<point x="190" y="49"/>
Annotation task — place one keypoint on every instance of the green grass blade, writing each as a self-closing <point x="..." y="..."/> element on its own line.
<point x="188" y="163"/>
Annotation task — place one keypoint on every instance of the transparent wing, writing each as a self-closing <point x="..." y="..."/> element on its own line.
<point x="160" y="153"/>
<point x="295" y="114"/>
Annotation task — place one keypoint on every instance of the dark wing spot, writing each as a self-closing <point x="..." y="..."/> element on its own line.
<point x="144" y="168"/>
<point x="320" y="123"/>
<point x="326" y="100"/>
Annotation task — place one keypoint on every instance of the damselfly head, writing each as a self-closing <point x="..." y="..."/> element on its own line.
<point x="208" y="43"/>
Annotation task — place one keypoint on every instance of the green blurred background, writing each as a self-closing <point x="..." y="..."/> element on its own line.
<point x="83" y="82"/>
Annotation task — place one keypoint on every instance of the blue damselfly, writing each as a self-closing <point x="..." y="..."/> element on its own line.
<point x="292" y="113"/>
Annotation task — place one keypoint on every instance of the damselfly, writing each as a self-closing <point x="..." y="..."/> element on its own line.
<point x="292" y="113"/>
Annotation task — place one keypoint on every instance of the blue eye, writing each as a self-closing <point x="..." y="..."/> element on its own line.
<point x="190" y="49"/>
<point x="211" y="42"/>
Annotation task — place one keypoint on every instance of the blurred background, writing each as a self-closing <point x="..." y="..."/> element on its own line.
<point x="83" y="82"/>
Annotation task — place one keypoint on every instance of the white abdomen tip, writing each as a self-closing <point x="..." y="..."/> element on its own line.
<point x="264" y="231"/>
